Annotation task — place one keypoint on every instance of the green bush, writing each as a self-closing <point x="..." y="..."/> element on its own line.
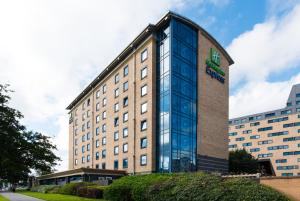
<point x="72" y="188"/>
<point x="91" y="191"/>
<point x="188" y="186"/>
<point x="44" y="188"/>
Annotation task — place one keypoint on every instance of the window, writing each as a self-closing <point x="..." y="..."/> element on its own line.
<point x="97" y="131"/>
<point x="290" y="153"/>
<point x="117" y="78"/>
<point x="125" y="117"/>
<point x="143" y="143"/>
<point x="265" y="129"/>
<point x="116" y="121"/>
<point x="97" y="155"/>
<point x="83" y="138"/>
<point x="144" y="72"/>
<point x="125" y="86"/>
<point x="82" y="159"/>
<point x="254" y="137"/>
<point x="83" y="127"/>
<point x="98" y="94"/>
<point x="116" y="107"/>
<point x="240" y="139"/>
<point x="104" y="115"/>
<point x="240" y="126"/>
<point x="231" y="146"/>
<point x="104" y="89"/>
<point x="255" y="124"/>
<point x="97" y="143"/>
<point x="278" y="147"/>
<point x="103" y="166"/>
<point x="144" y="55"/>
<point x="116" y="92"/>
<point x="278" y="120"/>
<point x="83" y="149"/>
<point x="76" y="143"/>
<point x="286" y="112"/>
<point x="88" y="102"/>
<point x="287" y="174"/>
<point x="103" y="153"/>
<point x="76" y="161"/>
<point x="143" y="125"/>
<point x="83" y="116"/>
<point x="125" y="132"/>
<point x="247" y="131"/>
<point x="297" y="102"/>
<point x="125" y="163"/>
<point x="104" y="101"/>
<point x="298" y="95"/>
<point x="247" y="144"/>
<point x="88" y="124"/>
<point x="116" y="150"/>
<point x="103" y="128"/>
<point x="144" y="108"/>
<point x="281" y="161"/>
<point x="83" y="105"/>
<point x="265" y="155"/>
<point x="88" y="147"/>
<point x="125" y="101"/>
<point x="76" y="131"/>
<point x="291" y="139"/>
<point x="125" y="71"/>
<point x="270" y="115"/>
<point x="76" y="152"/>
<point x="97" y="106"/>
<point x="291" y="125"/>
<point x="88" y="136"/>
<point x="278" y="134"/>
<point x="104" y="141"/>
<point x="144" y="90"/>
<point x="255" y="150"/>
<point x="116" y="164"/>
<point x="232" y="134"/>
<point x="97" y="166"/>
<point x="143" y="160"/>
<point x="125" y="148"/>
<point x="265" y="142"/>
<point x="116" y="135"/>
<point x="288" y="167"/>
<point x="288" y="104"/>
<point x="88" y="158"/>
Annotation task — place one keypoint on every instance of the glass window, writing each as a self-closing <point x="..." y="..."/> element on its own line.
<point x="104" y="89"/>
<point x="98" y="94"/>
<point x="82" y="159"/>
<point x="116" y="107"/>
<point x="125" y="86"/>
<point x="125" y="163"/>
<point x="83" y="138"/>
<point x="116" y="150"/>
<point x="103" y="166"/>
<point x="125" y="117"/>
<point x="104" y="101"/>
<point x="104" y="153"/>
<point x="117" y="78"/>
<point x="116" y="121"/>
<point x="76" y="131"/>
<point x="144" y="108"/>
<point x="76" y="152"/>
<point x="125" y="101"/>
<point x="104" y="115"/>
<point x="97" y="155"/>
<point x="144" y="90"/>
<point x="88" y="158"/>
<point x="116" y="92"/>
<point x="125" y="132"/>
<point x="125" y="148"/>
<point x="97" y="106"/>
<point x="88" y="124"/>
<point x="88" y="147"/>
<point x="143" y="143"/>
<point x="116" y="164"/>
<point x="97" y="131"/>
<point x="83" y="127"/>
<point x="144" y="72"/>
<point x="97" y="119"/>
<point x="88" y="136"/>
<point x="104" y="141"/>
<point x="116" y="135"/>
<point x="125" y="71"/>
<point x="83" y="149"/>
<point x="143" y="125"/>
<point x="103" y="128"/>
<point x="144" y="55"/>
<point x="143" y="160"/>
<point x="76" y="143"/>
<point x="76" y="161"/>
<point x="97" y="143"/>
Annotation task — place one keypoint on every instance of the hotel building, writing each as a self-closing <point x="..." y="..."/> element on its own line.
<point x="160" y="106"/>
<point x="273" y="135"/>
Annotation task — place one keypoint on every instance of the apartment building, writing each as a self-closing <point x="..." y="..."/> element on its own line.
<point x="160" y="106"/>
<point x="273" y="135"/>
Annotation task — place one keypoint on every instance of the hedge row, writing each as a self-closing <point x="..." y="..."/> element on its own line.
<point x="188" y="186"/>
<point x="82" y="189"/>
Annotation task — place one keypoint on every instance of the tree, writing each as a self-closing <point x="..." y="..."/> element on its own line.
<point x="240" y="161"/>
<point x="20" y="150"/>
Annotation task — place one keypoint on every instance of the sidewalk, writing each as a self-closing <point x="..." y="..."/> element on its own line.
<point x="18" y="197"/>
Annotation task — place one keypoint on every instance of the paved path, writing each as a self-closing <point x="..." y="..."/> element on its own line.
<point x="18" y="197"/>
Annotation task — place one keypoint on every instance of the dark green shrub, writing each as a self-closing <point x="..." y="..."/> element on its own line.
<point x="240" y="189"/>
<point x="91" y="191"/>
<point x="72" y="188"/>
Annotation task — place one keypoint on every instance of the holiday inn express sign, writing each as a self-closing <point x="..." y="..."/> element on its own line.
<point x="213" y="66"/>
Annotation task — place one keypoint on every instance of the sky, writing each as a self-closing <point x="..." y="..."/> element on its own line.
<point x="50" y="50"/>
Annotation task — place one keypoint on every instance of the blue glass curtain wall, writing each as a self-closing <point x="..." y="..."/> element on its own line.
<point x="177" y="97"/>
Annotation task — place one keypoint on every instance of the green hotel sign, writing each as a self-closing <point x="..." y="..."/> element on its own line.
<point x="213" y="66"/>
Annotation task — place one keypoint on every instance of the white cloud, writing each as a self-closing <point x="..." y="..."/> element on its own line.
<point x="270" y="47"/>
<point x="50" y="50"/>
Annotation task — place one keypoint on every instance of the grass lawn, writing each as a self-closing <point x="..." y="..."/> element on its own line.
<point x="57" y="197"/>
<point x="3" y="198"/>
